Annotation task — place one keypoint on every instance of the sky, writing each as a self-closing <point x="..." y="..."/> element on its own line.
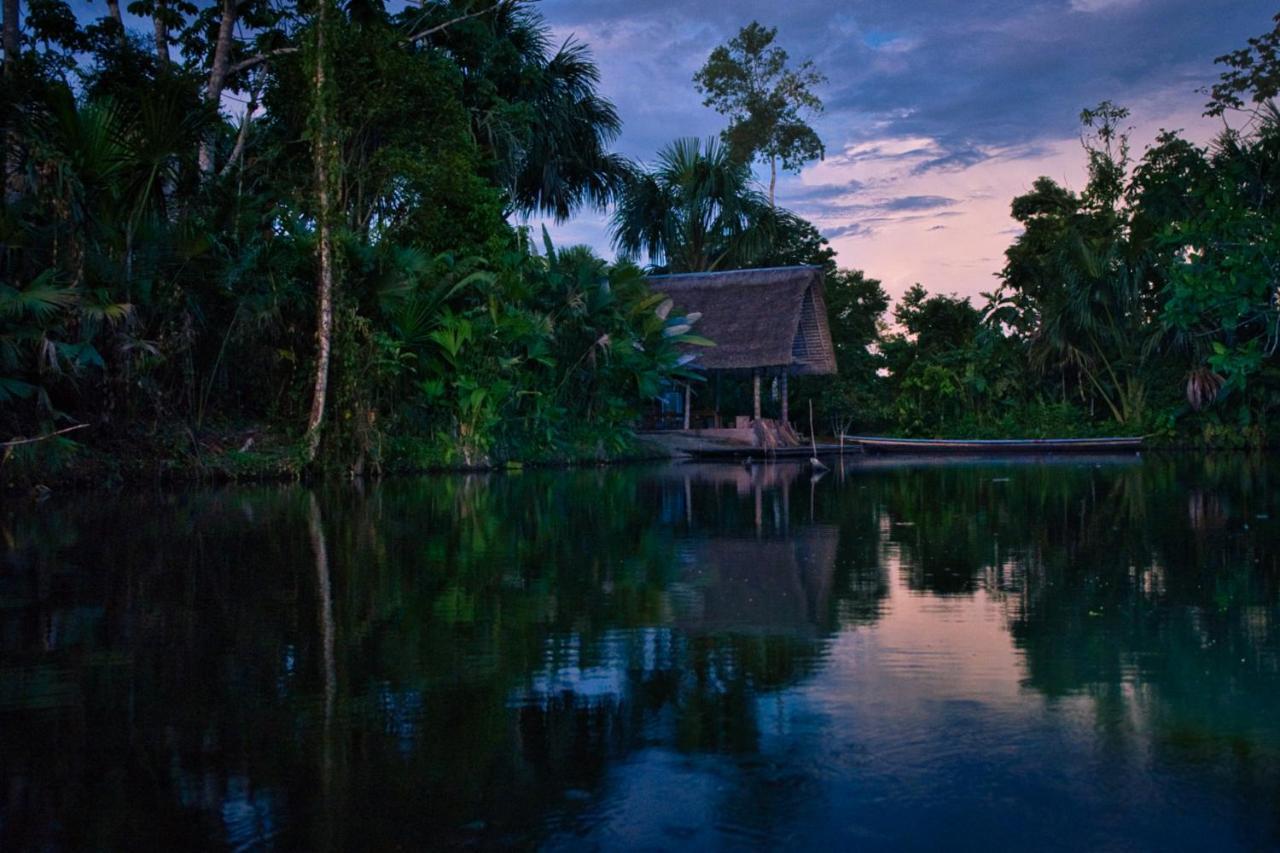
<point x="938" y="112"/>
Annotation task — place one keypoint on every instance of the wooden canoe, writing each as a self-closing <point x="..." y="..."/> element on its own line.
<point x="879" y="444"/>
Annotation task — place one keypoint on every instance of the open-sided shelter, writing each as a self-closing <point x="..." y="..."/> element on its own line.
<point x="764" y="322"/>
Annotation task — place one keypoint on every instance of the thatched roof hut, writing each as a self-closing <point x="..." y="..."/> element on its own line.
<point x="772" y="319"/>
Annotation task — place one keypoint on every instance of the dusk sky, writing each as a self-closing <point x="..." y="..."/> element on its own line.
<point x="938" y="112"/>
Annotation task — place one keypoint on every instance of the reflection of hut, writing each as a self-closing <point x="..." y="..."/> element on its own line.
<point x="768" y="322"/>
<point x="755" y="585"/>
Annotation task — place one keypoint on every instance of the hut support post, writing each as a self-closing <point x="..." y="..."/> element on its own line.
<point x="687" y="400"/>
<point x="717" y="401"/>
<point x="755" y="394"/>
<point x="782" y="392"/>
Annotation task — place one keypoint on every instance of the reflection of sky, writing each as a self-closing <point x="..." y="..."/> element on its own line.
<point x="919" y="731"/>
<point x="599" y="672"/>
<point x="1108" y="679"/>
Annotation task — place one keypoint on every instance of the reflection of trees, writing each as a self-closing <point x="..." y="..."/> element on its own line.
<point x="175" y="671"/>
<point x="952" y="527"/>
<point x="492" y="646"/>
<point x="1139" y="585"/>
<point x="1168" y="616"/>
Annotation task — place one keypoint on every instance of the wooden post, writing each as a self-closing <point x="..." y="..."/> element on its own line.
<point x="782" y="392"/>
<point x="755" y="394"/>
<point x="717" y="401"/>
<point x="686" y="405"/>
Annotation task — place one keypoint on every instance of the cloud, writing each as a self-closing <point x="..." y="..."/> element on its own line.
<point x="1101" y="5"/>
<point x="937" y="113"/>
<point x="917" y="202"/>
<point x="853" y="229"/>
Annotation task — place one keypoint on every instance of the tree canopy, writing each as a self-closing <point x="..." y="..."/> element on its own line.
<point x="768" y="103"/>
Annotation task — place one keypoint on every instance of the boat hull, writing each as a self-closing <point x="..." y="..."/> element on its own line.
<point x="987" y="446"/>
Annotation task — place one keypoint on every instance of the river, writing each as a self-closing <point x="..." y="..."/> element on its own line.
<point x="1047" y="654"/>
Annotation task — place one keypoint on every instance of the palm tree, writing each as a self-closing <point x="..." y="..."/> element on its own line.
<point x="565" y="162"/>
<point x="695" y="212"/>
<point x="535" y="111"/>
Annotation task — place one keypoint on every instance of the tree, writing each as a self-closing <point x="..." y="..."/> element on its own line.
<point x="1252" y="72"/>
<point x="795" y="241"/>
<point x="1079" y="286"/>
<point x="537" y="113"/>
<point x="855" y="310"/>
<point x="324" y="157"/>
<point x="694" y="212"/>
<point x="767" y="103"/>
<point x="10" y="42"/>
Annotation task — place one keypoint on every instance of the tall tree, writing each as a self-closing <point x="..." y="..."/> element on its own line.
<point x="113" y="9"/>
<point x="219" y="66"/>
<point x="324" y="157"/>
<point x="535" y="110"/>
<point x="1082" y="288"/>
<point x="767" y="102"/>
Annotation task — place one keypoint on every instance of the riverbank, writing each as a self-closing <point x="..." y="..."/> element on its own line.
<point x="247" y="454"/>
<point x="257" y="453"/>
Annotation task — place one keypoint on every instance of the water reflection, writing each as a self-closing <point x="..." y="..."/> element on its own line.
<point x="1043" y="653"/>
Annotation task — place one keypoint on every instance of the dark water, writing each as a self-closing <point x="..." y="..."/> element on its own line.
<point x="985" y="655"/>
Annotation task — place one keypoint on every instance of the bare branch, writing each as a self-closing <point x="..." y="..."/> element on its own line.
<point x="432" y="30"/>
<point x="258" y="59"/>
<point x="15" y="442"/>
<point x="238" y="151"/>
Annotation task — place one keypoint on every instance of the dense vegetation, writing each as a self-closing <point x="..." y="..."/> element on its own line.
<point x="331" y="278"/>
<point x="1146" y="303"/>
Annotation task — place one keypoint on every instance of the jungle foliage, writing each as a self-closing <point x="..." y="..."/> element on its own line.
<point x="279" y="234"/>
<point x="160" y="263"/>
<point x="1146" y="303"/>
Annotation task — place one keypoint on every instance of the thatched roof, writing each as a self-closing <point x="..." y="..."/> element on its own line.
<point x="769" y="318"/>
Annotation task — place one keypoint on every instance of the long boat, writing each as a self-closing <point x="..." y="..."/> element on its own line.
<point x="764" y="454"/>
<point x="880" y="444"/>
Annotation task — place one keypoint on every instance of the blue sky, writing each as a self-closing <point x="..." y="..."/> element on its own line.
<point x="938" y="111"/>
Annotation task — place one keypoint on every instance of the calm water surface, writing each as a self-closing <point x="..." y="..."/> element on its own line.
<point x="981" y="654"/>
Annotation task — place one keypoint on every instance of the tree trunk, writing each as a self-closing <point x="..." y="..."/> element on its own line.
<point x="755" y="394"/>
<point x="773" y="178"/>
<point x="10" y="37"/>
<point x="218" y="73"/>
<point x="10" y="43"/>
<point x="242" y="137"/>
<point x="113" y="8"/>
<point x="324" y="247"/>
<point x="162" y="38"/>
